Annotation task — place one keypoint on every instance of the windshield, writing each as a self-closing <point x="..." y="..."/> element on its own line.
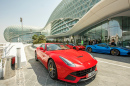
<point x="111" y="45"/>
<point x="72" y="44"/>
<point x="105" y="45"/>
<point x="51" y="47"/>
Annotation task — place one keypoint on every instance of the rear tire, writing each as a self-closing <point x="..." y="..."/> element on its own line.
<point x="52" y="69"/>
<point x="89" y="49"/>
<point x="115" y="52"/>
<point x="36" y="56"/>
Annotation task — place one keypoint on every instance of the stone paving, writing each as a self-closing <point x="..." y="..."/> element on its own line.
<point x="109" y="73"/>
<point x="37" y="75"/>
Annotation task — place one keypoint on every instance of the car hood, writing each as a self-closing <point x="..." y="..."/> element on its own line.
<point x="78" y="57"/>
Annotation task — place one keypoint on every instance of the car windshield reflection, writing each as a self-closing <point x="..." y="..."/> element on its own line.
<point x="112" y="46"/>
<point x="72" y="44"/>
<point x="118" y="46"/>
<point x="51" y="47"/>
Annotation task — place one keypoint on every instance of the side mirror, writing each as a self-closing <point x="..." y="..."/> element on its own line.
<point x="41" y="48"/>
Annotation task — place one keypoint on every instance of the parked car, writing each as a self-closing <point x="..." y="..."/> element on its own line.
<point x="108" y="49"/>
<point x="76" y="47"/>
<point x="66" y="64"/>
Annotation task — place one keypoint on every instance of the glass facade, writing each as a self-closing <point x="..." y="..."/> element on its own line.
<point x="117" y="28"/>
<point x="68" y="13"/>
<point x="126" y="31"/>
<point x="16" y="34"/>
<point x="62" y="25"/>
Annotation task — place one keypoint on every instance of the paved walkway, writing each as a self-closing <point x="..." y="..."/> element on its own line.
<point x="109" y="72"/>
<point x="112" y="71"/>
<point x="36" y="74"/>
<point x="33" y="74"/>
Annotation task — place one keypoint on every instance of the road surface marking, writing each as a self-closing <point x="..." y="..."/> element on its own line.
<point x="113" y="64"/>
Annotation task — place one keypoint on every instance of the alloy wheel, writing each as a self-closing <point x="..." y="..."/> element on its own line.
<point x="115" y="52"/>
<point x="89" y="49"/>
<point x="52" y="69"/>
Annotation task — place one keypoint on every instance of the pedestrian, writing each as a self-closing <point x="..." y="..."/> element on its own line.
<point x="95" y="42"/>
<point x="99" y="41"/>
<point x="90" y="42"/>
<point x="113" y="42"/>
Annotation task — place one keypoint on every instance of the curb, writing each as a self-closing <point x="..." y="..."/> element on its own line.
<point x="32" y="48"/>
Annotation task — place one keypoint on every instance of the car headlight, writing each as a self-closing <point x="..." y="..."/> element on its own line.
<point x="92" y="56"/>
<point x="69" y="63"/>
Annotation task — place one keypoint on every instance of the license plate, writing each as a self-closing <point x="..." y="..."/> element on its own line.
<point x="90" y="74"/>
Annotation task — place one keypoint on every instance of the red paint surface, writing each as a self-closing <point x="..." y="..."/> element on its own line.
<point x="81" y="59"/>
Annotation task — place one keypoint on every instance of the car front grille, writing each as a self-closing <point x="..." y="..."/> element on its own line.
<point x="83" y="72"/>
<point x="80" y="48"/>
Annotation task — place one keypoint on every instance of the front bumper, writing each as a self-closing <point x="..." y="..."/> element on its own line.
<point x="75" y="77"/>
<point x="84" y="79"/>
<point x="83" y="49"/>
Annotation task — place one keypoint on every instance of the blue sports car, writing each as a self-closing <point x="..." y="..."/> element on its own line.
<point x="104" y="48"/>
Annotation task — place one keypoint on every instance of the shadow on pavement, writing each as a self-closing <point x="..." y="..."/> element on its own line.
<point x="44" y="79"/>
<point x="37" y="75"/>
<point x="125" y="59"/>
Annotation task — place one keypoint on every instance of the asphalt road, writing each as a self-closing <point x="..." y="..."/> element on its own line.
<point x="112" y="71"/>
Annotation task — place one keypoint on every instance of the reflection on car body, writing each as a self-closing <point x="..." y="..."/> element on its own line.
<point x="66" y="64"/>
<point x="108" y="49"/>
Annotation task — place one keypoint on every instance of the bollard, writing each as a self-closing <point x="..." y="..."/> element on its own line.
<point x="18" y="58"/>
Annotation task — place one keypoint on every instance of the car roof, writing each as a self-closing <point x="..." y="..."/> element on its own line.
<point x="51" y="43"/>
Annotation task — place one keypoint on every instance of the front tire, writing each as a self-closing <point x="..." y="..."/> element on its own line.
<point x="89" y="49"/>
<point x="115" y="52"/>
<point x="52" y="69"/>
<point x="74" y="48"/>
<point x="36" y="56"/>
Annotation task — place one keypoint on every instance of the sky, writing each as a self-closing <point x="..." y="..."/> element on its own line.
<point x="33" y="12"/>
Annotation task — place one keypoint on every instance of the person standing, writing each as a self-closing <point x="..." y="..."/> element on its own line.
<point x="90" y="42"/>
<point x="113" y="42"/>
<point x="95" y="42"/>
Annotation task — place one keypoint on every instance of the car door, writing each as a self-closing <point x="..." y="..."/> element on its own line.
<point x="44" y="54"/>
<point x="102" y="48"/>
<point x="41" y="52"/>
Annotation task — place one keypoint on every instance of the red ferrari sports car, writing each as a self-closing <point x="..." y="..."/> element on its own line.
<point x="76" y="47"/>
<point x="66" y="64"/>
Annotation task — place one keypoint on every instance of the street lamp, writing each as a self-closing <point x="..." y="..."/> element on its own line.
<point x="21" y="20"/>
